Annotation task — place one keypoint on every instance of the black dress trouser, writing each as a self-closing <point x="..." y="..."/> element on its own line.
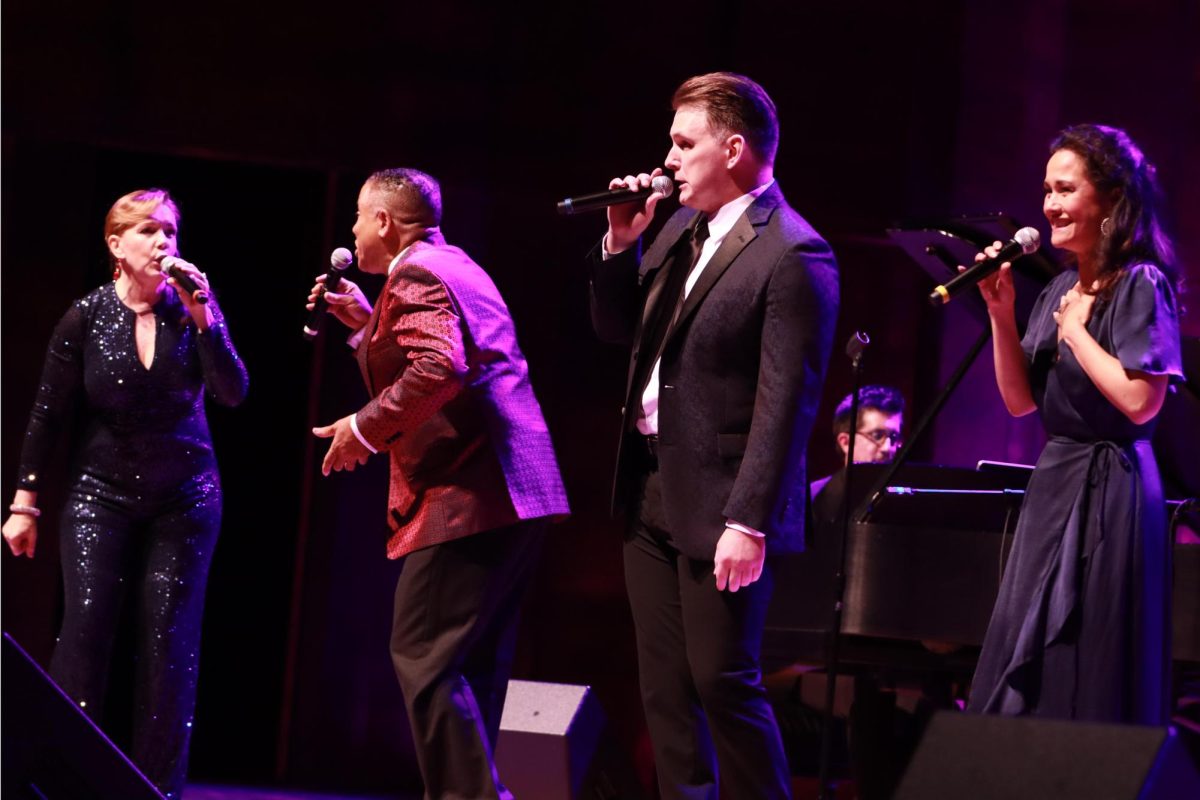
<point x="698" y="658"/>
<point x="454" y="629"/>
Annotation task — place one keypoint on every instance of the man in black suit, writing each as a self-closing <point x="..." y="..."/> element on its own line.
<point x="731" y="314"/>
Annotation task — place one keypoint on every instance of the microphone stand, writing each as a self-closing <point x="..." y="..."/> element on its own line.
<point x="854" y="349"/>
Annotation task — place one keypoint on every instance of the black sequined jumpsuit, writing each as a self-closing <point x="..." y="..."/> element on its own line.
<point x="144" y="508"/>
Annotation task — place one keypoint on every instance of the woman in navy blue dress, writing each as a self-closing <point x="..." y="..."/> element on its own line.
<point x="132" y="362"/>
<point x="1081" y="627"/>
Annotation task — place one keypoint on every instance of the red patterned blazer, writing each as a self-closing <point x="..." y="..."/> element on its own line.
<point x="452" y="405"/>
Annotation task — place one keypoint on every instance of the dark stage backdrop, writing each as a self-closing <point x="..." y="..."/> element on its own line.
<point x="264" y="118"/>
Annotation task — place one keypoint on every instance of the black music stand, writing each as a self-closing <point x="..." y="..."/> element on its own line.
<point x="855" y="349"/>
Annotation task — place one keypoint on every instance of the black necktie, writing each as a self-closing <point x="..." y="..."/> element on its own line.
<point x="671" y="301"/>
<point x="699" y="235"/>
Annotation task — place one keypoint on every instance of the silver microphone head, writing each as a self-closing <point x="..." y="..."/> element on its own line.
<point x="666" y="186"/>
<point x="342" y="258"/>
<point x="1029" y="239"/>
<point x="170" y="267"/>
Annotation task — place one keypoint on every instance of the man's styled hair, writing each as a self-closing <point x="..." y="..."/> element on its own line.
<point x="881" y="398"/>
<point x="734" y="104"/>
<point x="411" y="196"/>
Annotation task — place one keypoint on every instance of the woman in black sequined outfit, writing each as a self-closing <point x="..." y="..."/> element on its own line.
<point x="134" y="360"/>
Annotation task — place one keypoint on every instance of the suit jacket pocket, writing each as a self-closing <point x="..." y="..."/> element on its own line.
<point x="732" y="445"/>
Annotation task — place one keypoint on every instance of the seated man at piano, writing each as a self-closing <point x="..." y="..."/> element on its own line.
<point x="877" y="439"/>
<point x="880" y="734"/>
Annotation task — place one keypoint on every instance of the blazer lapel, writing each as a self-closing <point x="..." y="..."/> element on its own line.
<point x="742" y="233"/>
<point x="365" y="343"/>
<point x="654" y="294"/>
<point x="734" y="243"/>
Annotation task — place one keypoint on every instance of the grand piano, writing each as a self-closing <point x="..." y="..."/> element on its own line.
<point x="924" y="567"/>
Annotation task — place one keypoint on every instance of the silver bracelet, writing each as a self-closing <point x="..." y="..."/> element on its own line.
<point x="32" y="511"/>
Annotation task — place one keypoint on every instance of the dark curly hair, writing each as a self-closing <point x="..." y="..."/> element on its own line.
<point x="1119" y="170"/>
<point x="880" y="398"/>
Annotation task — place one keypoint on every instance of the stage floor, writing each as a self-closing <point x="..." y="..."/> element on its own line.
<point x="206" y="792"/>
<point x="802" y="789"/>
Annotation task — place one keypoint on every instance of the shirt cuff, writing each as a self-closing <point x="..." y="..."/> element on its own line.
<point x="746" y="529"/>
<point x="359" y="436"/>
<point x="604" y="254"/>
<point x="356" y="338"/>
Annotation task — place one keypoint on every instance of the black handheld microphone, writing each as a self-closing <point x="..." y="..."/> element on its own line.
<point x="614" y="197"/>
<point x="170" y="266"/>
<point x="1024" y="242"/>
<point x="339" y="261"/>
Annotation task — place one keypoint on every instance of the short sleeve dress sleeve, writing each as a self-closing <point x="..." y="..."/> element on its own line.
<point x="1145" y="333"/>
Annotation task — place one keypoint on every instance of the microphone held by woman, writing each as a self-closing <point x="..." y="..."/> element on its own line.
<point x="1024" y="242"/>
<point x="170" y="266"/>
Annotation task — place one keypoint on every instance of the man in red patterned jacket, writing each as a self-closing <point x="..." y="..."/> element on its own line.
<point x="474" y="480"/>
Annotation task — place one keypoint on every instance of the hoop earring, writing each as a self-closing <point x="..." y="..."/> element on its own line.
<point x="1106" y="226"/>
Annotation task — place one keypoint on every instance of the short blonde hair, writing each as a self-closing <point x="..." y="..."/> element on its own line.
<point x="132" y="208"/>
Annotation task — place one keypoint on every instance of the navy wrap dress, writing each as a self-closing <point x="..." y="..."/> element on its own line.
<point x="1081" y="626"/>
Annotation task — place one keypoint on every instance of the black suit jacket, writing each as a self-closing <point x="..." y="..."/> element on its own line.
<point x="741" y="372"/>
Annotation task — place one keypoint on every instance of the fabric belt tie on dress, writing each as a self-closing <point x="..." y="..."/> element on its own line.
<point x="1097" y="476"/>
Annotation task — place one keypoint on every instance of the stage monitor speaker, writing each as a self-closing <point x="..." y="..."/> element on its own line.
<point x="554" y="744"/>
<point x="999" y="758"/>
<point x="51" y="749"/>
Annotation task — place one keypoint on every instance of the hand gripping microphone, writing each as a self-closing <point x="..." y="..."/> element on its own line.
<point x="170" y="266"/>
<point x="614" y="197"/>
<point x="339" y="261"/>
<point x="1024" y="242"/>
